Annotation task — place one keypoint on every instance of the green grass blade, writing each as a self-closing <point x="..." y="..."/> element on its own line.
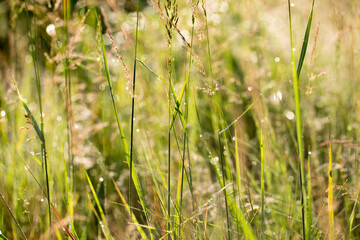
<point x="305" y="42"/>
<point x="298" y="126"/>
<point x="104" y="224"/>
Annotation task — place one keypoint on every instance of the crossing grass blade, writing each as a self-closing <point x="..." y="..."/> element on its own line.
<point x="139" y="228"/>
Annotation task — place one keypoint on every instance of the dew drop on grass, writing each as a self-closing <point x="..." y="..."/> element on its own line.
<point x="250" y="88"/>
<point x="214" y="160"/>
<point x="26" y="168"/>
<point x="267" y="210"/>
<point x="98" y="59"/>
<point x="309" y="152"/>
<point x="233" y="139"/>
<point x="50" y="29"/>
<point x="292" y="4"/>
<point x="101" y="179"/>
<point x="42" y="200"/>
<point x="294" y="49"/>
<point x="127" y="88"/>
<point x="201" y="135"/>
<point x="59" y="118"/>
<point x="3" y="113"/>
<point x="133" y="119"/>
<point x="138" y="130"/>
<point x="277" y="59"/>
<point x="289" y="115"/>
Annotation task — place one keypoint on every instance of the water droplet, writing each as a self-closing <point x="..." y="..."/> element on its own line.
<point x="32" y="153"/>
<point x="127" y="88"/>
<point x="50" y="29"/>
<point x="250" y="88"/>
<point x="42" y="200"/>
<point x="309" y="152"/>
<point x="214" y="160"/>
<point x="277" y="59"/>
<point x="294" y="49"/>
<point x="133" y="119"/>
<point x="98" y="59"/>
<point x="289" y="115"/>
<point x="267" y="210"/>
<point x="292" y="4"/>
<point x="138" y="130"/>
<point x="59" y="118"/>
<point x="101" y="179"/>
<point x="262" y="121"/>
<point x="201" y="135"/>
<point x="225" y="153"/>
<point x="233" y="139"/>
<point x="26" y="168"/>
<point x="3" y="113"/>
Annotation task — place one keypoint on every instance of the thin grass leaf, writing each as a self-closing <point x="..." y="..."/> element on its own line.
<point x="305" y="42"/>
<point x="105" y="226"/>
<point x="33" y="120"/>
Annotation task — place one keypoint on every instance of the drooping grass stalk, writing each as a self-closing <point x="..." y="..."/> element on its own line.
<point x="68" y="232"/>
<point x="134" y="175"/>
<point x="133" y="104"/>
<point x="13" y="216"/>
<point x="35" y="56"/>
<point x="262" y="179"/>
<point x="309" y="199"/>
<point x="296" y="75"/>
<point x="330" y="197"/>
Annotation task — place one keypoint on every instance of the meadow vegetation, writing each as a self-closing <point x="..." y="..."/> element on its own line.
<point x="179" y="119"/>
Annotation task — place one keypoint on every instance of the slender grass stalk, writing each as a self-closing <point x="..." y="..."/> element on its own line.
<point x="135" y="177"/>
<point x="172" y="18"/>
<point x="262" y="179"/>
<point x="222" y="162"/>
<point x="296" y="75"/>
<point x="71" y="187"/>
<point x="133" y="104"/>
<point x="309" y="200"/>
<point x="35" y="56"/>
<point x="330" y="197"/>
